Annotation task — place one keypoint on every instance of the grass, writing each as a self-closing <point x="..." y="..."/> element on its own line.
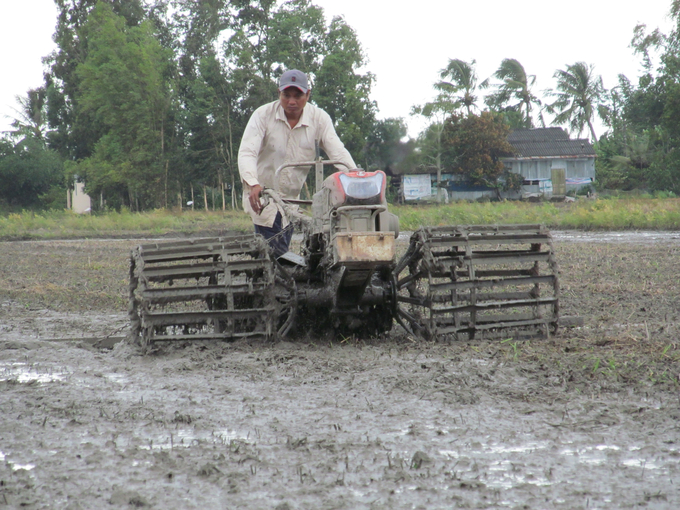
<point x="65" y="224"/>
<point x="588" y="360"/>
<point x="602" y="214"/>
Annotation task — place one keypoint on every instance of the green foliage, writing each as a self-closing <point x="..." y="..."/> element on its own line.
<point x="123" y="91"/>
<point x="269" y="38"/>
<point x="578" y="96"/>
<point x="512" y="181"/>
<point x="72" y="133"/>
<point x="146" y="101"/>
<point x="384" y="147"/>
<point x="212" y="124"/>
<point x="342" y="91"/>
<point x="513" y="93"/>
<point x="456" y="91"/>
<point x="629" y="160"/>
<point x="142" y="129"/>
<point x="30" y="120"/>
<point x="603" y="214"/>
<point x="640" y="151"/>
<point x="474" y="145"/>
<point x="51" y="224"/>
<point x="28" y="171"/>
<point x="429" y="151"/>
<point x="461" y="85"/>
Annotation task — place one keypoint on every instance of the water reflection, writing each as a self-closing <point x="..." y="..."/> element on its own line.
<point x="25" y="373"/>
<point x="13" y="465"/>
<point x="185" y="438"/>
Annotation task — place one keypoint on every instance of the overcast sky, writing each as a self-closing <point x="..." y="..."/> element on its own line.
<point x="408" y="45"/>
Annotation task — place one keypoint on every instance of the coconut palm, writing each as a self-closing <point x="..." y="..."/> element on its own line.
<point x="578" y="94"/>
<point x="461" y="84"/>
<point x="30" y="120"/>
<point x="514" y="92"/>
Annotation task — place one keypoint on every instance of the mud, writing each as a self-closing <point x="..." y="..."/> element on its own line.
<point x="586" y="419"/>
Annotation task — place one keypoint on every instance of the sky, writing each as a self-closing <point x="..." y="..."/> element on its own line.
<point x="408" y="45"/>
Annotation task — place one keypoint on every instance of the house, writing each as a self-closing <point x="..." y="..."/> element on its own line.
<point x="79" y="201"/>
<point x="544" y="155"/>
<point x="550" y="162"/>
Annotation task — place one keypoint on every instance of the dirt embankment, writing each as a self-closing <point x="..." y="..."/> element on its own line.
<point x="587" y="419"/>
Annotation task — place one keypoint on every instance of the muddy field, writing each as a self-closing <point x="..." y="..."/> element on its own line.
<point x="587" y="419"/>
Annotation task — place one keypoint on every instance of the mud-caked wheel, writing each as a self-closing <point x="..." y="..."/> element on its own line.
<point x="381" y="320"/>
<point x="285" y="301"/>
<point x="478" y="282"/>
<point x="412" y="309"/>
<point x="217" y="288"/>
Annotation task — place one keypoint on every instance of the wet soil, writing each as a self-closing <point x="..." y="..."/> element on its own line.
<point x="589" y="418"/>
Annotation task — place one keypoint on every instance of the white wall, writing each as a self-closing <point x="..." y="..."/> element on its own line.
<point x="80" y="201"/>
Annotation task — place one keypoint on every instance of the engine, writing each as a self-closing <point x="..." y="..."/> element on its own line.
<point x="353" y="202"/>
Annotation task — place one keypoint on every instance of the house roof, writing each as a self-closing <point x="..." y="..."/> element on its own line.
<point x="548" y="142"/>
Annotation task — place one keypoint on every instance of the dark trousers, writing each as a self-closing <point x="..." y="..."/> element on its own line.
<point x="277" y="237"/>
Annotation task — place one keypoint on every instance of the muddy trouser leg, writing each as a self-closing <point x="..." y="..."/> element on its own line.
<point x="277" y="237"/>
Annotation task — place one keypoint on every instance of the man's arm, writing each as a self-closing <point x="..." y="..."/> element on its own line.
<point x="332" y="145"/>
<point x="248" y="152"/>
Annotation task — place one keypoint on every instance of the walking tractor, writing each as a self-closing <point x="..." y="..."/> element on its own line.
<point x="351" y="274"/>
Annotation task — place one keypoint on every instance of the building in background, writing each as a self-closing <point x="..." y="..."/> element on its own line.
<point x="80" y="202"/>
<point x="550" y="162"/>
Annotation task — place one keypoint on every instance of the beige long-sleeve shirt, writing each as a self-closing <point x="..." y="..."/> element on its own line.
<point x="269" y="142"/>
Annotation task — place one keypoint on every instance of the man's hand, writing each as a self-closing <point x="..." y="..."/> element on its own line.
<point x="254" y="198"/>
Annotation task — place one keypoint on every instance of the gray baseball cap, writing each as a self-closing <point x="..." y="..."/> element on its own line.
<point x="294" y="78"/>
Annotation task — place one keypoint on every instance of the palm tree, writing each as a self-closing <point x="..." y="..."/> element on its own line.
<point x="31" y="119"/>
<point x="578" y="94"/>
<point x="430" y="140"/>
<point x="514" y="91"/>
<point x="462" y="83"/>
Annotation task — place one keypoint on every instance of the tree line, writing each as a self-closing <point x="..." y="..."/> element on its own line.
<point x="145" y="102"/>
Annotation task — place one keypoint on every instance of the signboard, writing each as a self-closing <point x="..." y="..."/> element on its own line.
<point x="417" y="187"/>
<point x="545" y="187"/>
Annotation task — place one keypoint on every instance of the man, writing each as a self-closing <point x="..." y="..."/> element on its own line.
<point x="284" y="131"/>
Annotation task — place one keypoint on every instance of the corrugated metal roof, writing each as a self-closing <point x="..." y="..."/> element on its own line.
<point x="538" y="134"/>
<point x="547" y="142"/>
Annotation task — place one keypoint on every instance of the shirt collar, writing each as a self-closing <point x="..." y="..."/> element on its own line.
<point x="281" y="115"/>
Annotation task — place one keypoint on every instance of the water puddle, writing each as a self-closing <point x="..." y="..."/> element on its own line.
<point x="13" y="465"/>
<point x="599" y="455"/>
<point x="634" y="237"/>
<point x="500" y="449"/>
<point x="643" y="237"/>
<point x="186" y="438"/>
<point x="503" y="475"/>
<point x="509" y="466"/>
<point x="25" y="373"/>
<point x="523" y="448"/>
<point x="117" y="378"/>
